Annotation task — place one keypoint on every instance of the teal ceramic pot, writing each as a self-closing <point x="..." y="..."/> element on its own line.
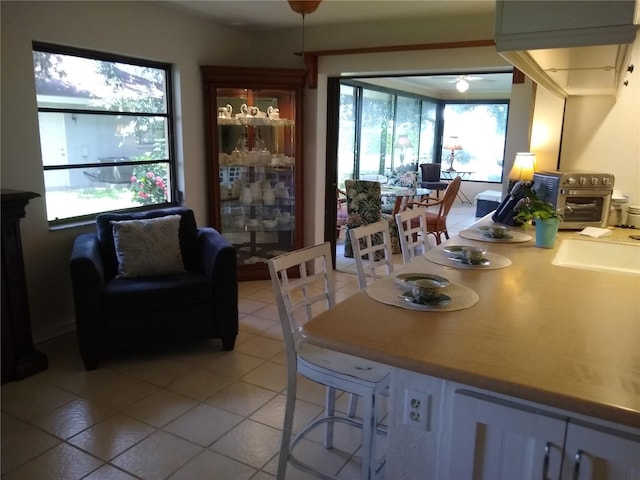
<point x="546" y="232"/>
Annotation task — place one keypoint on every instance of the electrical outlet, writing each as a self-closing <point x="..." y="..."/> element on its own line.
<point x="416" y="409"/>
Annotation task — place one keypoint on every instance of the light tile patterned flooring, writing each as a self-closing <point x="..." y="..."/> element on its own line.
<point x="190" y="412"/>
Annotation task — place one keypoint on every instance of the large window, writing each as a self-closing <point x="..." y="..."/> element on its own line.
<point x="105" y="132"/>
<point x="384" y="133"/>
<point x="480" y="129"/>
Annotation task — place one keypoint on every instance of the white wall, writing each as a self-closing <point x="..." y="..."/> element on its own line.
<point x="129" y="28"/>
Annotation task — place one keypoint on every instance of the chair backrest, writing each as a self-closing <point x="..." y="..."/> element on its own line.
<point x="449" y="196"/>
<point x="303" y="285"/>
<point x="188" y="234"/>
<point x="364" y="202"/>
<point x="430" y="172"/>
<point x="412" y="230"/>
<point x="372" y="251"/>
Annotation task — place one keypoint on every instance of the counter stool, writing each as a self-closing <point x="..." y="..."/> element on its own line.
<point x="295" y="298"/>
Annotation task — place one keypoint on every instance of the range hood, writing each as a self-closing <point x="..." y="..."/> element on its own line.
<point x="569" y="47"/>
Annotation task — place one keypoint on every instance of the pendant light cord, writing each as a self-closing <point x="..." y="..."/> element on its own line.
<point x="302" y="35"/>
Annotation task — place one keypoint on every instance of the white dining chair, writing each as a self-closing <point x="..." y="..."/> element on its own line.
<point x="372" y="251"/>
<point x="412" y="230"/>
<point x="302" y="282"/>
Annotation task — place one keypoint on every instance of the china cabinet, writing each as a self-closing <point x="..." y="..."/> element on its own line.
<point x="254" y="157"/>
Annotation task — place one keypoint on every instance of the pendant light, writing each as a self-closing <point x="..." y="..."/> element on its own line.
<point x="304" y="8"/>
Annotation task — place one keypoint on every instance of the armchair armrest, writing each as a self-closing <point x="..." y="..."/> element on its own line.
<point x="87" y="281"/>
<point x="87" y="269"/>
<point x="218" y="260"/>
<point x="428" y="202"/>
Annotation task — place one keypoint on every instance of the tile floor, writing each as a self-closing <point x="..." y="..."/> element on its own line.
<point x="189" y="412"/>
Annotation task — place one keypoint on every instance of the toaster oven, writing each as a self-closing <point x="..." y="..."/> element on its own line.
<point x="583" y="198"/>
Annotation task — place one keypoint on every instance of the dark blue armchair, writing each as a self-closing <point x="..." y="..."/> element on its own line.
<point x="116" y="314"/>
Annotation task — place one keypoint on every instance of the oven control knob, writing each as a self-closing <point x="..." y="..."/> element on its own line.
<point x="571" y="181"/>
<point x="594" y="180"/>
<point x="606" y="181"/>
<point x="582" y="181"/>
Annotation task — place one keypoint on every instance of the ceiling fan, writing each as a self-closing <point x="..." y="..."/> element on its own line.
<point x="462" y="81"/>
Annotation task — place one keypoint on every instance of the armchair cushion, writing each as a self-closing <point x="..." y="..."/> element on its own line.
<point x="188" y="236"/>
<point x="148" y="247"/>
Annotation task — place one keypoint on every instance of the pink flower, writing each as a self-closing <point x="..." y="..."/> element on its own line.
<point x="143" y="195"/>
<point x="151" y="175"/>
<point x="133" y="179"/>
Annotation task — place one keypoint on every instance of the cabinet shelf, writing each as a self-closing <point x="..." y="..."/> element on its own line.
<point x="255" y="162"/>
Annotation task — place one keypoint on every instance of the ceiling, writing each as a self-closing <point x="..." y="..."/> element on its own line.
<point x="261" y="15"/>
<point x="265" y="15"/>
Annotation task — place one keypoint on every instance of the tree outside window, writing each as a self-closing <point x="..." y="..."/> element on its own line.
<point x="105" y="126"/>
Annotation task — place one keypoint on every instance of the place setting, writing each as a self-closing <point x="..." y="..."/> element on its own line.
<point x="494" y="233"/>
<point x="467" y="257"/>
<point x="422" y="291"/>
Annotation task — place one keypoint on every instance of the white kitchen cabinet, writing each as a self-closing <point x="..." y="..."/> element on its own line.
<point x="595" y="453"/>
<point x="496" y="439"/>
<point x="568" y="47"/>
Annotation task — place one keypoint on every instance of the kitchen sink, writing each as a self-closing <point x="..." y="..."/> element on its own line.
<point x="601" y="256"/>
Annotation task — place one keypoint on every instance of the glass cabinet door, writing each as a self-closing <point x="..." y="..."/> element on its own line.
<point x="256" y="192"/>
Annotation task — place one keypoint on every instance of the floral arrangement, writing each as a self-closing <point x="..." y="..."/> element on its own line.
<point x="149" y="185"/>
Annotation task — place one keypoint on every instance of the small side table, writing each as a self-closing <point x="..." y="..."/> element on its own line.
<point x="19" y="357"/>
<point x="449" y="175"/>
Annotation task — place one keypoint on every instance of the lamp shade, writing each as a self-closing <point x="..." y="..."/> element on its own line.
<point x="523" y="167"/>
<point x="403" y="141"/>
<point x="452" y="144"/>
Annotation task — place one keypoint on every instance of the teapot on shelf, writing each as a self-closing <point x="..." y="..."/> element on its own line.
<point x="256" y="112"/>
<point x="273" y="113"/>
<point x="225" y="112"/>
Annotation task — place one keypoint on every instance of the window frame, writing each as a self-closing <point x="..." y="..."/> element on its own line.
<point x="169" y="115"/>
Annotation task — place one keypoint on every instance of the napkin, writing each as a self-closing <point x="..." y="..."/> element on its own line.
<point x="595" y="232"/>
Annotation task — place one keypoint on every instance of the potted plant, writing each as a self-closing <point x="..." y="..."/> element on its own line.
<point x="545" y="216"/>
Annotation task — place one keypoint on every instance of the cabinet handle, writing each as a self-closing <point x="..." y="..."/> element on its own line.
<point x="545" y="464"/>
<point x="576" y="465"/>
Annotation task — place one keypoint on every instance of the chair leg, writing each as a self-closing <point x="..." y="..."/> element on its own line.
<point x="369" y="427"/>
<point x="287" y="427"/>
<point x="329" y="411"/>
<point x="353" y="405"/>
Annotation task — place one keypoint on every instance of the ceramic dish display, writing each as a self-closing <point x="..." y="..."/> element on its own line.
<point x="491" y="261"/>
<point x="407" y="280"/>
<point x="436" y="300"/>
<point x="475" y="234"/>
<point x="390" y="291"/>
<point x="462" y="253"/>
<point x="501" y="234"/>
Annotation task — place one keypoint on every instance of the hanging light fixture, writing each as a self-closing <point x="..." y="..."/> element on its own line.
<point x="304" y="8"/>
<point x="462" y="85"/>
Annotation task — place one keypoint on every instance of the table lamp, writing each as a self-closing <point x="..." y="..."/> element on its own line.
<point x="523" y="167"/>
<point x="403" y="143"/>
<point x="453" y="145"/>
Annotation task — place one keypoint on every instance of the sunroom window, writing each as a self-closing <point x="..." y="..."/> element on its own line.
<point x="105" y="132"/>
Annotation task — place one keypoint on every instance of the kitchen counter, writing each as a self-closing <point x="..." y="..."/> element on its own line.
<point x="558" y="336"/>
